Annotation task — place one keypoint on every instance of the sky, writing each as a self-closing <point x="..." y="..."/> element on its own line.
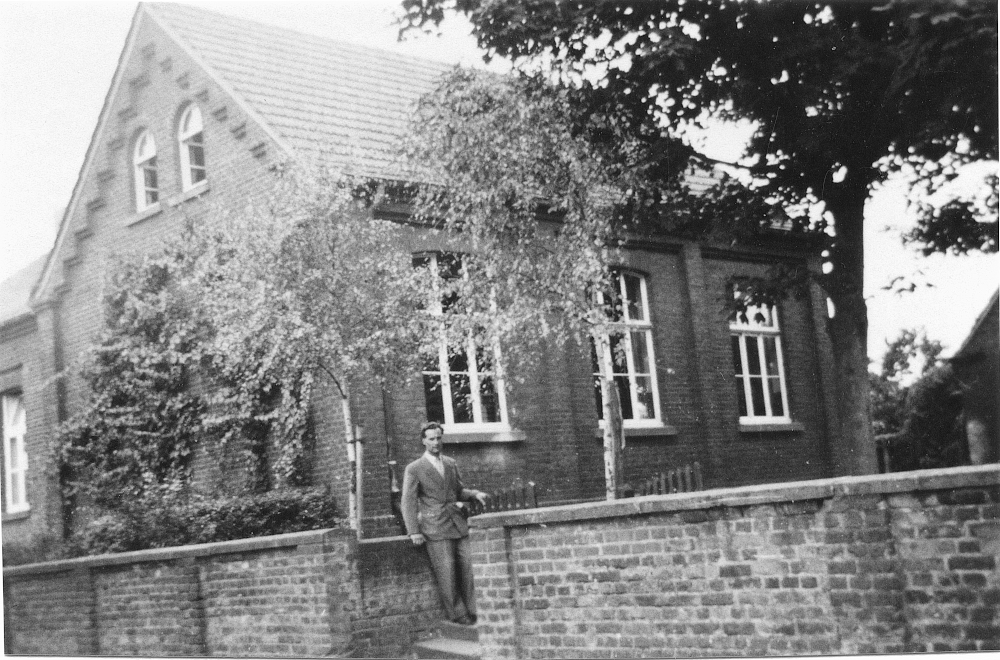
<point x="56" y="64"/>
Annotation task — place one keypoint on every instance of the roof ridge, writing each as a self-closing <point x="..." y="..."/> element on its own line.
<point x="164" y="8"/>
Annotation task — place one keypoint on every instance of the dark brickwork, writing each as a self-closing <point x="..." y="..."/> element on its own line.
<point x="299" y="595"/>
<point x="865" y="565"/>
<point x="558" y="444"/>
<point x="397" y="598"/>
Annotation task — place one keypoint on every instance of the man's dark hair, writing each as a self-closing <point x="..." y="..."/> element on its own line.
<point x="428" y="426"/>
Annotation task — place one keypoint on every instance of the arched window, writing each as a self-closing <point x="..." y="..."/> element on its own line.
<point x="147" y="187"/>
<point x="192" y="148"/>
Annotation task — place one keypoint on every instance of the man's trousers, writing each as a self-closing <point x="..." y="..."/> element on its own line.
<point x="451" y="562"/>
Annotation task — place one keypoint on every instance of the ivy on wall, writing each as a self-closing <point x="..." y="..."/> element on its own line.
<point x="157" y="390"/>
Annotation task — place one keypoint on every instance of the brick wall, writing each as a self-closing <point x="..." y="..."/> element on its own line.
<point x="305" y="594"/>
<point x="397" y="597"/>
<point x="23" y="370"/>
<point x="896" y="563"/>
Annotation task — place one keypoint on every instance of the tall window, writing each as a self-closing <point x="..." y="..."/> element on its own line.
<point x="460" y="385"/>
<point x="192" y="148"/>
<point x="630" y="358"/>
<point x="15" y="458"/>
<point x="759" y="366"/>
<point x="147" y="187"/>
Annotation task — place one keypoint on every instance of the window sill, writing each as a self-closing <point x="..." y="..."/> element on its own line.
<point x="197" y="190"/>
<point x="642" y="431"/>
<point x="772" y="427"/>
<point x="16" y="515"/>
<point x="147" y="212"/>
<point x="482" y="435"/>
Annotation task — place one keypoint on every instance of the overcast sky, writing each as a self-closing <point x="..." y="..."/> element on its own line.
<point x="57" y="61"/>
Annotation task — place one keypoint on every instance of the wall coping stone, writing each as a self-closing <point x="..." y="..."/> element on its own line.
<point x="294" y="539"/>
<point x="793" y="491"/>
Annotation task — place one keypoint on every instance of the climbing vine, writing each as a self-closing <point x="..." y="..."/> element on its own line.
<point x="158" y="387"/>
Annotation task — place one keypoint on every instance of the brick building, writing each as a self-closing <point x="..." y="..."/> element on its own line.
<point x="203" y="105"/>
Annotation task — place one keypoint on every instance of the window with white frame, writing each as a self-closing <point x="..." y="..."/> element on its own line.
<point x="629" y="357"/>
<point x="190" y="137"/>
<point x="461" y="388"/>
<point x="759" y="365"/>
<point x="15" y="457"/>
<point x="147" y="187"/>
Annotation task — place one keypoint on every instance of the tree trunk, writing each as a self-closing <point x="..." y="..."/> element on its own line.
<point x="614" y="437"/>
<point x="354" y="460"/>
<point x="853" y="452"/>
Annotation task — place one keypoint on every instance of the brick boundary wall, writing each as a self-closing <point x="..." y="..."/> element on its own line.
<point x="878" y="564"/>
<point x="304" y="595"/>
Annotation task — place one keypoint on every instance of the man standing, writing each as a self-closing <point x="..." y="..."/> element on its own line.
<point x="434" y="513"/>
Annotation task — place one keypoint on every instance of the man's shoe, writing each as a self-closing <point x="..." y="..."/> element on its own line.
<point x="465" y="620"/>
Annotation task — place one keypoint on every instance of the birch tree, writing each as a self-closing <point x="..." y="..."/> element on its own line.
<point x="307" y="281"/>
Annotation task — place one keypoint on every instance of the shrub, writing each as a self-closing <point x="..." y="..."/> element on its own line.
<point x="164" y="519"/>
<point x="933" y="434"/>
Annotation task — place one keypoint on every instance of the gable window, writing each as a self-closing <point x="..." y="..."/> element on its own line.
<point x="147" y="187"/>
<point x="759" y="367"/>
<point x="461" y="387"/>
<point x="15" y="457"/>
<point x="630" y="359"/>
<point x="192" y="148"/>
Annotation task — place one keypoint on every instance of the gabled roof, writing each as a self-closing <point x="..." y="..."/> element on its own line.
<point x="991" y="308"/>
<point x="15" y="291"/>
<point x="340" y="103"/>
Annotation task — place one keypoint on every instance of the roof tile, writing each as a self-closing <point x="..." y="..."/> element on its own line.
<point x="341" y="103"/>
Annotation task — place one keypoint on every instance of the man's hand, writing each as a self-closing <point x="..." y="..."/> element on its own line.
<point x="481" y="497"/>
<point x="418" y="539"/>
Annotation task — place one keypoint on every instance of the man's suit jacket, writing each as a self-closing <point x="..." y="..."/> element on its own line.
<point x="430" y="500"/>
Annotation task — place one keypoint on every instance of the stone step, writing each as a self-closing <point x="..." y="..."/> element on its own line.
<point x="458" y="631"/>
<point x="446" y="648"/>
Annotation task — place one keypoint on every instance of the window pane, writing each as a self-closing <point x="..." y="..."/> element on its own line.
<point x="433" y="399"/>
<point x="737" y="360"/>
<point x="461" y="398"/>
<point x="633" y="298"/>
<point x="489" y="400"/>
<point x="152" y="197"/>
<point x="618" y="360"/>
<point x="612" y="299"/>
<point x="484" y="361"/>
<point x="640" y="356"/>
<point x="753" y="357"/>
<point x="757" y="394"/>
<point x="625" y="394"/>
<point x="421" y="261"/>
<point x="449" y="265"/>
<point x="741" y="396"/>
<point x="644" y="394"/>
<point x="15" y="457"/>
<point x="771" y="355"/>
<point x="16" y="488"/>
<point x="150" y="177"/>
<point x="458" y="360"/>
<point x="593" y="356"/>
<point x="774" y="385"/>
<point x="197" y="155"/>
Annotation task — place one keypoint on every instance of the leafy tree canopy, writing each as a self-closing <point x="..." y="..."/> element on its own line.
<point x="840" y="95"/>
